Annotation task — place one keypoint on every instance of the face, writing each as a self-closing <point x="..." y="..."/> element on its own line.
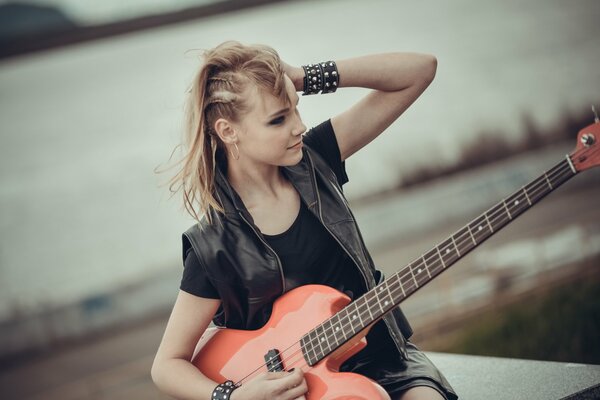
<point x="269" y="131"/>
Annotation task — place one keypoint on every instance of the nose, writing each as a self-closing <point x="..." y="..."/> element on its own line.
<point x="299" y="127"/>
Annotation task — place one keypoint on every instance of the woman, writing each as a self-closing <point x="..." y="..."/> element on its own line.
<point x="274" y="216"/>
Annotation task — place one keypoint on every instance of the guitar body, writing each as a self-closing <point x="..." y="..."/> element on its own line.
<point x="238" y="355"/>
<point x="234" y="354"/>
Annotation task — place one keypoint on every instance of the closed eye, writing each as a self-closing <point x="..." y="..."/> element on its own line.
<point x="277" y="121"/>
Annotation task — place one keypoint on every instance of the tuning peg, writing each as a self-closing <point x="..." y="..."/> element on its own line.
<point x="596" y="119"/>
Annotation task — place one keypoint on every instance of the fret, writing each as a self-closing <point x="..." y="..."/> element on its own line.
<point x="368" y="300"/>
<point x="341" y="322"/>
<point x="308" y="347"/>
<point x="441" y="258"/>
<point x="498" y="216"/>
<point x="472" y="237"/>
<point x="354" y="318"/>
<point x="539" y="188"/>
<point x="425" y="265"/>
<point x="397" y="278"/>
<point x="433" y="262"/>
<point x="359" y="312"/>
<point x="386" y="296"/>
<point x="548" y="180"/>
<point x="488" y="222"/>
<point x="526" y="195"/>
<point x="517" y="203"/>
<point x="405" y="279"/>
<point x="320" y="340"/>
<point x="391" y="298"/>
<point x="455" y="246"/>
<point x="449" y="250"/>
<point x="329" y="334"/>
<point x="506" y="208"/>
<point x="381" y="290"/>
<point x="562" y="173"/>
<point x="338" y="327"/>
<point x="423" y="275"/>
<point x="479" y="229"/>
<point x="311" y="340"/>
<point x="413" y="276"/>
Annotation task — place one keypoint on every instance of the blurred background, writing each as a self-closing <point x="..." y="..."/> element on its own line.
<point x="91" y="97"/>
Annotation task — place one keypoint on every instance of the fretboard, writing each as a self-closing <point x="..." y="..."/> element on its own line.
<point x="362" y="312"/>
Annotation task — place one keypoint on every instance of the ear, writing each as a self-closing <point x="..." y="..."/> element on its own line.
<point x="226" y="131"/>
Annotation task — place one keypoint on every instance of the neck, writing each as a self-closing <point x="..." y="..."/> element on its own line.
<point x="255" y="182"/>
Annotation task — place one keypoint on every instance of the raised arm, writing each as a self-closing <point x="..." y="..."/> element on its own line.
<point x="397" y="79"/>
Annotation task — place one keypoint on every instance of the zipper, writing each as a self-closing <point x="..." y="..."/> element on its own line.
<point x="326" y="228"/>
<point x="270" y="248"/>
<point x="264" y="242"/>
<point x="393" y="334"/>
<point x="341" y="197"/>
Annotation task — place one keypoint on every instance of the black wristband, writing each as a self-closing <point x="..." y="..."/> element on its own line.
<point x="313" y="79"/>
<point x="223" y="390"/>
<point x="320" y="77"/>
<point x="331" y="77"/>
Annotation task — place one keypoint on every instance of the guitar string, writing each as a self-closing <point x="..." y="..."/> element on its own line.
<point x="465" y="237"/>
<point x="560" y="169"/>
<point x="535" y="185"/>
<point x="438" y="260"/>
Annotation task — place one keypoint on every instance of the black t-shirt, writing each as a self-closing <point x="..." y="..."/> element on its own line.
<point x="300" y="267"/>
<point x="326" y="263"/>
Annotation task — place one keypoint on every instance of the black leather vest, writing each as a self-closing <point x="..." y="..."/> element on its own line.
<point x="247" y="272"/>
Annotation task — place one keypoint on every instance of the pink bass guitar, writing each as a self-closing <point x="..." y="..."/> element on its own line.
<point x="317" y="328"/>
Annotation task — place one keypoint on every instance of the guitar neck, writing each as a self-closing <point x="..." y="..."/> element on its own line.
<point x="337" y="330"/>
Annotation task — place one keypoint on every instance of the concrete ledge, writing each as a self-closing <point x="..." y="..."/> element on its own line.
<point x="478" y="377"/>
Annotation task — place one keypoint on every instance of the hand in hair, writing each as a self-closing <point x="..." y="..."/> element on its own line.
<point x="296" y="74"/>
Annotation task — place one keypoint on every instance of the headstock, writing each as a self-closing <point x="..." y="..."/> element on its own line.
<point x="587" y="152"/>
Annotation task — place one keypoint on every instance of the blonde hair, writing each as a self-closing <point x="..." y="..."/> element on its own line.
<point x="216" y="92"/>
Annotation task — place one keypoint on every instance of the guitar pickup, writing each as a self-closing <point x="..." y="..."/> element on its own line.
<point x="273" y="361"/>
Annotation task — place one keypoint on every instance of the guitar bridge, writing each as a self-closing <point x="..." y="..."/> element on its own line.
<point x="273" y="361"/>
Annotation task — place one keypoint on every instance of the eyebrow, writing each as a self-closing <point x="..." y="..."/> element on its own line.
<point x="284" y="110"/>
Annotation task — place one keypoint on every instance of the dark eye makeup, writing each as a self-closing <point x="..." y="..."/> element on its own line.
<point x="277" y="120"/>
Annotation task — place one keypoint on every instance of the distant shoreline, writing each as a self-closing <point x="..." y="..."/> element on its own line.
<point x="69" y="34"/>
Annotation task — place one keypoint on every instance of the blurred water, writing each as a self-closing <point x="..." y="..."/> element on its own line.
<point x="83" y="127"/>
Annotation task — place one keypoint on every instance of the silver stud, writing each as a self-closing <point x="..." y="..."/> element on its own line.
<point x="322" y="65"/>
<point x="327" y="84"/>
<point x="326" y="74"/>
<point x="312" y="71"/>
<point x="334" y="73"/>
<point x="334" y="83"/>
<point x="314" y="79"/>
<point x="331" y="64"/>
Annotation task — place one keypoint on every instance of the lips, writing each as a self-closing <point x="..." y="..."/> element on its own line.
<point x="296" y="145"/>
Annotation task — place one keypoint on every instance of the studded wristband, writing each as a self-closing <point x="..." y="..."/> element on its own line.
<point x="331" y="77"/>
<point x="224" y="390"/>
<point x="313" y="79"/>
<point x="320" y="77"/>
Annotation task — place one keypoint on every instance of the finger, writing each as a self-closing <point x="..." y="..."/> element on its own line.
<point x="297" y="392"/>
<point x="294" y="378"/>
<point x="276" y="375"/>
